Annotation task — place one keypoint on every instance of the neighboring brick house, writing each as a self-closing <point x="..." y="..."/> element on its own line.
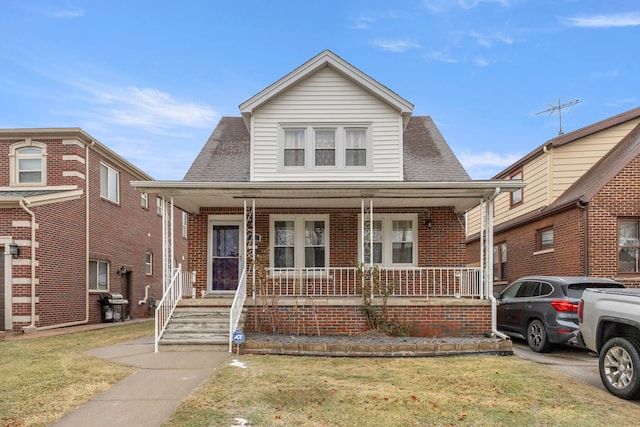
<point x="326" y="169"/>
<point x="579" y="213"/>
<point x="72" y="228"/>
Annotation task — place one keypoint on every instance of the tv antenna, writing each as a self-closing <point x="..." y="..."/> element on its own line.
<point x="559" y="108"/>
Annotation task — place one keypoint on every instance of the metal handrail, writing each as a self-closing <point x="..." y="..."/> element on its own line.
<point x="167" y="304"/>
<point x="237" y="306"/>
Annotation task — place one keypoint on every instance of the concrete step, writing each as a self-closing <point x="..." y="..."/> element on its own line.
<point x="187" y="327"/>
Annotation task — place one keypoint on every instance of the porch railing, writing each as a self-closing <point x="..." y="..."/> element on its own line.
<point x="168" y="303"/>
<point x="236" y="307"/>
<point x="404" y="282"/>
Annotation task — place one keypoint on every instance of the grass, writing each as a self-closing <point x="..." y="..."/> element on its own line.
<point x="41" y="379"/>
<point x="451" y="391"/>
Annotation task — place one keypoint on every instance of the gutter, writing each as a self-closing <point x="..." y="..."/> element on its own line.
<point x="32" y="325"/>
<point x="585" y="235"/>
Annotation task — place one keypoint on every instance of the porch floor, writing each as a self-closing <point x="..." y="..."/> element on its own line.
<point x="371" y="345"/>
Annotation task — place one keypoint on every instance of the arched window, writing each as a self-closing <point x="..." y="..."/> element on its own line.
<point x="28" y="163"/>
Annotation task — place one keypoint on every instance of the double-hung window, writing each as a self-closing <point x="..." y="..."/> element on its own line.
<point x="109" y="183"/>
<point x="300" y="241"/>
<point x="28" y="163"/>
<point x="98" y="276"/>
<point x="500" y="261"/>
<point x="337" y="146"/>
<point x="148" y="263"/>
<point x="516" y="196"/>
<point x="391" y="240"/>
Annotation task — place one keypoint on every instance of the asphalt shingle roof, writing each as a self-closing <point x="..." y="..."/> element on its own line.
<point x="225" y="155"/>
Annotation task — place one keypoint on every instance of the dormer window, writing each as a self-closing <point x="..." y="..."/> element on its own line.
<point x="28" y="164"/>
<point x="325" y="146"/>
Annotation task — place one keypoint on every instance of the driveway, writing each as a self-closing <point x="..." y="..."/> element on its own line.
<point x="577" y="363"/>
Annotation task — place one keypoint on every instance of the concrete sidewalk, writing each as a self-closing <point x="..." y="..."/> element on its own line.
<point x="149" y="396"/>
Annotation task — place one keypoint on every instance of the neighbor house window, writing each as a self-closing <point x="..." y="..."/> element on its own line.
<point x="159" y="206"/>
<point x="629" y="246"/>
<point x="185" y="222"/>
<point x="109" y="183"/>
<point x="98" y="276"/>
<point x="544" y="239"/>
<point x="28" y="163"/>
<point x="500" y="262"/>
<point x="516" y="196"/>
<point x="300" y="242"/>
<point x="325" y="146"/>
<point x="148" y="263"/>
<point x="392" y="240"/>
<point x="144" y="200"/>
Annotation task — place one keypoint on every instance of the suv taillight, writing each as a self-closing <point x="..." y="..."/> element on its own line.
<point x="563" y="305"/>
<point x="580" y="311"/>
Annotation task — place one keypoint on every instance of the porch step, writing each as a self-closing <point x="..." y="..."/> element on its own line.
<point x="199" y="324"/>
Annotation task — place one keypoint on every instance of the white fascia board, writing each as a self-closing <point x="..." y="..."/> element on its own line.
<point x="45" y="199"/>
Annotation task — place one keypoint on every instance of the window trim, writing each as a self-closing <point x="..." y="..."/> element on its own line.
<point x="519" y="191"/>
<point x="148" y="263"/>
<point x="299" y="238"/>
<point x="539" y="234"/>
<point x="340" y="146"/>
<point x="106" y="196"/>
<point x="497" y="261"/>
<point x="185" y="224"/>
<point x="107" y="284"/>
<point x="159" y="205"/>
<point x="14" y="156"/>
<point x="387" y="237"/>
<point x="620" y="247"/>
<point x="144" y="200"/>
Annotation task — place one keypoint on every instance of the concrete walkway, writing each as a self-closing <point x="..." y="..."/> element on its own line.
<point x="149" y="396"/>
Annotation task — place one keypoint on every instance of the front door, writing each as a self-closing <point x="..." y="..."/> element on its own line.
<point x="226" y="250"/>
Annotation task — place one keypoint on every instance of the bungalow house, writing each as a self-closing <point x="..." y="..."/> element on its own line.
<point x="326" y="176"/>
<point x="73" y="231"/>
<point x="579" y="213"/>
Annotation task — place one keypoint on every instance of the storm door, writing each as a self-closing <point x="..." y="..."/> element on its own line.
<point x="226" y="253"/>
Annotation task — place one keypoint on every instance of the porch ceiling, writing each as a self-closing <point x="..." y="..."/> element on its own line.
<point x="191" y="196"/>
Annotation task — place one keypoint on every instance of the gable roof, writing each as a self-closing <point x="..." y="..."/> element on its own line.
<point x="570" y="137"/>
<point x="225" y="155"/>
<point x="326" y="58"/>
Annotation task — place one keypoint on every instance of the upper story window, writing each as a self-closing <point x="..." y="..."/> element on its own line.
<point x="159" y="206"/>
<point x="325" y="146"/>
<point x="109" y="183"/>
<point x="516" y="196"/>
<point x="148" y="263"/>
<point x="28" y="163"/>
<point x="144" y="200"/>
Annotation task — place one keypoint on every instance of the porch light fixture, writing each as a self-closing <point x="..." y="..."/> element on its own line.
<point x="122" y="271"/>
<point x="14" y="249"/>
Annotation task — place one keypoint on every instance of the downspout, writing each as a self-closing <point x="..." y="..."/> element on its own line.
<point x="489" y="256"/>
<point x="32" y="325"/>
<point x="86" y="248"/>
<point x="585" y="226"/>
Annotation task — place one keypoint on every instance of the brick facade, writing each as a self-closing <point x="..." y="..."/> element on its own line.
<point x="119" y="233"/>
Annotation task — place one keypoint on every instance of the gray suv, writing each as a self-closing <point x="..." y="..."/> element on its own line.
<point x="544" y="309"/>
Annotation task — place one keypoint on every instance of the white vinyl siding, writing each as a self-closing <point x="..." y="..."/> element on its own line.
<point x="329" y="99"/>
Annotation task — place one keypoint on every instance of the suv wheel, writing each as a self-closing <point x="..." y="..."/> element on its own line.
<point x="619" y="364"/>
<point x="537" y="337"/>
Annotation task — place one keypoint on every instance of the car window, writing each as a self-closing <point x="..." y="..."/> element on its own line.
<point x="576" y="290"/>
<point x="528" y="289"/>
<point x="511" y="291"/>
<point x="545" y="289"/>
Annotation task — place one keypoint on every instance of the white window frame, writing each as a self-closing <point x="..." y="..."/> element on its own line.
<point x="148" y="263"/>
<point x="310" y="130"/>
<point x="107" y="175"/>
<point x="14" y="164"/>
<point x="387" y="238"/>
<point x="144" y="200"/>
<point x="185" y="222"/>
<point x="299" y="238"/>
<point x="96" y="287"/>
<point x="159" y="205"/>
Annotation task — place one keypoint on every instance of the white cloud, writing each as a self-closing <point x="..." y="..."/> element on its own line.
<point x="439" y="6"/>
<point x="487" y="40"/>
<point x="629" y="19"/>
<point x="69" y="12"/>
<point x="441" y="56"/>
<point x="396" y="45"/>
<point x="486" y="165"/>
<point x="362" y="23"/>
<point x="480" y="61"/>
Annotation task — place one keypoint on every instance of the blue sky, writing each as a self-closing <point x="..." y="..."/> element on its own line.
<point x="151" y="79"/>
